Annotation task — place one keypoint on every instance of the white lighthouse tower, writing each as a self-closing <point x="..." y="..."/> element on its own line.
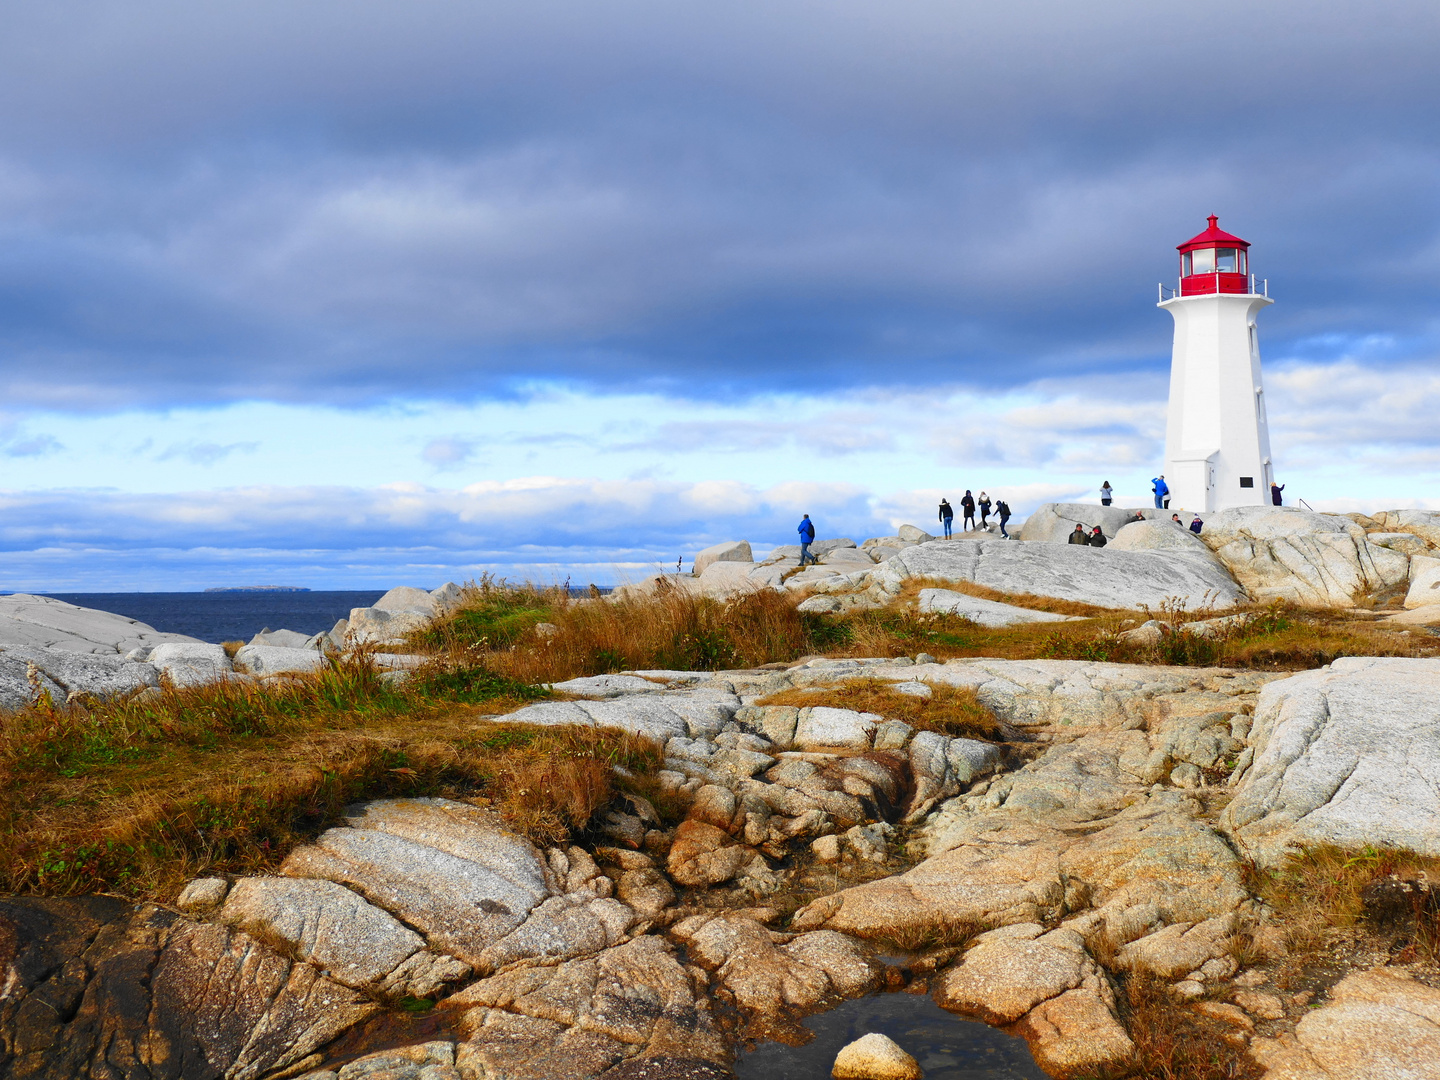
<point x="1217" y="441"/>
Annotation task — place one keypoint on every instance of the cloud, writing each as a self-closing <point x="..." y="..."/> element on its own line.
<point x="35" y="446"/>
<point x="448" y="452"/>
<point x="205" y="453"/>
<point x="353" y="203"/>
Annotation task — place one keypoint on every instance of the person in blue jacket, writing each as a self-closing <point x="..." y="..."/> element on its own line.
<point x="807" y="537"/>
<point x="1162" y="491"/>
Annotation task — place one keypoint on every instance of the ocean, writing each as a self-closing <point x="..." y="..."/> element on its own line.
<point x="228" y="616"/>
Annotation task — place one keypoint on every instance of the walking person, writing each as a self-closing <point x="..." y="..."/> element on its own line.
<point x="1275" y="490"/>
<point x="1002" y="511"/>
<point x="1162" y="492"/>
<point x="1097" y="538"/>
<point x="1196" y="525"/>
<point x="947" y="515"/>
<point x="807" y="537"/>
<point x="1078" y="536"/>
<point x="984" y="505"/>
<point x="968" y="505"/>
<point x="1106" y="493"/>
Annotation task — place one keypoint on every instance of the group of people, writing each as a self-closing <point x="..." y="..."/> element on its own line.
<point x="969" y="504"/>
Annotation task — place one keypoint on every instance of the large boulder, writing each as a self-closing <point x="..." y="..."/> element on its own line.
<point x="402" y="611"/>
<point x="1099" y="576"/>
<point x="276" y="660"/>
<point x="1316" y="560"/>
<point x="191" y="665"/>
<point x="26" y="671"/>
<point x="722" y="580"/>
<point x="1054" y="522"/>
<point x="1424" y="583"/>
<point x="726" y="551"/>
<point x="44" y="622"/>
<point x="1160" y="535"/>
<point x="1346" y="755"/>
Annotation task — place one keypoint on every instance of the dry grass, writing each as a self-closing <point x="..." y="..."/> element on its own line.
<point x="1173" y="1042"/>
<point x="912" y="587"/>
<point x="1321" y="890"/>
<point x="952" y="710"/>
<point x="137" y="797"/>
<point x="672" y="630"/>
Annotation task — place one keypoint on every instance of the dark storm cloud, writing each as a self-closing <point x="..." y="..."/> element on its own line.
<point x="349" y="202"/>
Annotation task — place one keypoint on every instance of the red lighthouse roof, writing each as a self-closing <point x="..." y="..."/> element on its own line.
<point x="1214" y="236"/>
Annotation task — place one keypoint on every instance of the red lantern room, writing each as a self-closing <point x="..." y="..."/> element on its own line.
<point x="1214" y="262"/>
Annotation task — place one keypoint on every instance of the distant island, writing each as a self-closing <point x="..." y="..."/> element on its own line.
<point x="259" y="588"/>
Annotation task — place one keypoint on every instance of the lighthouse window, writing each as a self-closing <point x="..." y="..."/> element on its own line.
<point x="1204" y="261"/>
<point x="1225" y="260"/>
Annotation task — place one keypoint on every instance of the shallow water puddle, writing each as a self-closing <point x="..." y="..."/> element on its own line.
<point x="946" y="1046"/>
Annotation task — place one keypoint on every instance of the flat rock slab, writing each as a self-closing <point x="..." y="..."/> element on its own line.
<point x="24" y="669"/>
<point x="1099" y="576"/>
<point x="607" y="686"/>
<point x="1001" y="980"/>
<point x="989" y="613"/>
<point x="325" y="923"/>
<point x="49" y="623"/>
<point x="1347" y="756"/>
<point x="1377" y="1023"/>
<point x="460" y="906"/>
<point x="698" y="713"/>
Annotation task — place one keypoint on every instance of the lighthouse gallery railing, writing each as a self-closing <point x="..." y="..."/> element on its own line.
<point x="1167" y="293"/>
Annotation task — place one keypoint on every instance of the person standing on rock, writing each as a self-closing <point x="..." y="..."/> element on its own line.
<point x="984" y="505"/>
<point x="807" y="537"/>
<point x="1106" y="493"/>
<point x="1097" y="538"/>
<point x="947" y="516"/>
<point x="1196" y="525"/>
<point x="1162" y="492"/>
<point x="1002" y="511"/>
<point x="1078" y="536"/>
<point x="968" y="505"/>
<point x="1275" y="497"/>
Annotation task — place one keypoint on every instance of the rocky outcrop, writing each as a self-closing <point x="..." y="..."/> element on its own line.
<point x="28" y="673"/>
<point x="1376" y="1023"/>
<point x="265" y="660"/>
<point x="777" y="978"/>
<point x="1346" y="755"/>
<point x="47" y="623"/>
<point x="1422" y="523"/>
<point x="1160" y="535"/>
<point x="1315" y="560"/>
<point x="609" y="1015"/>
<point x="98" y="988"/>
<point x="989" y="613"/>
<point x="1099" y="576"/>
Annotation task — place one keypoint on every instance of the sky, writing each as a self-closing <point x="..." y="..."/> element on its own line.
<point x="362" y="294"/>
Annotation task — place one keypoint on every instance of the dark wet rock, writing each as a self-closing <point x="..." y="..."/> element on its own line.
<point x="100" y="988"/>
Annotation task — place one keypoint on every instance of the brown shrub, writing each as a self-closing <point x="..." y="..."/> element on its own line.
<point x="673" y="629"/>
<point x="1323" y="888"/>
<point x="1173" y="1042"/>
<point x="139" y="796"/>
<point x="951" y="710"/>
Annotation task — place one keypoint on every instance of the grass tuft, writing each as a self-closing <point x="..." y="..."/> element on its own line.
<point x="952" y="710"/>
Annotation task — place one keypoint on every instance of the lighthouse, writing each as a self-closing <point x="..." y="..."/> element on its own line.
<point x="1217" y="441"/>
